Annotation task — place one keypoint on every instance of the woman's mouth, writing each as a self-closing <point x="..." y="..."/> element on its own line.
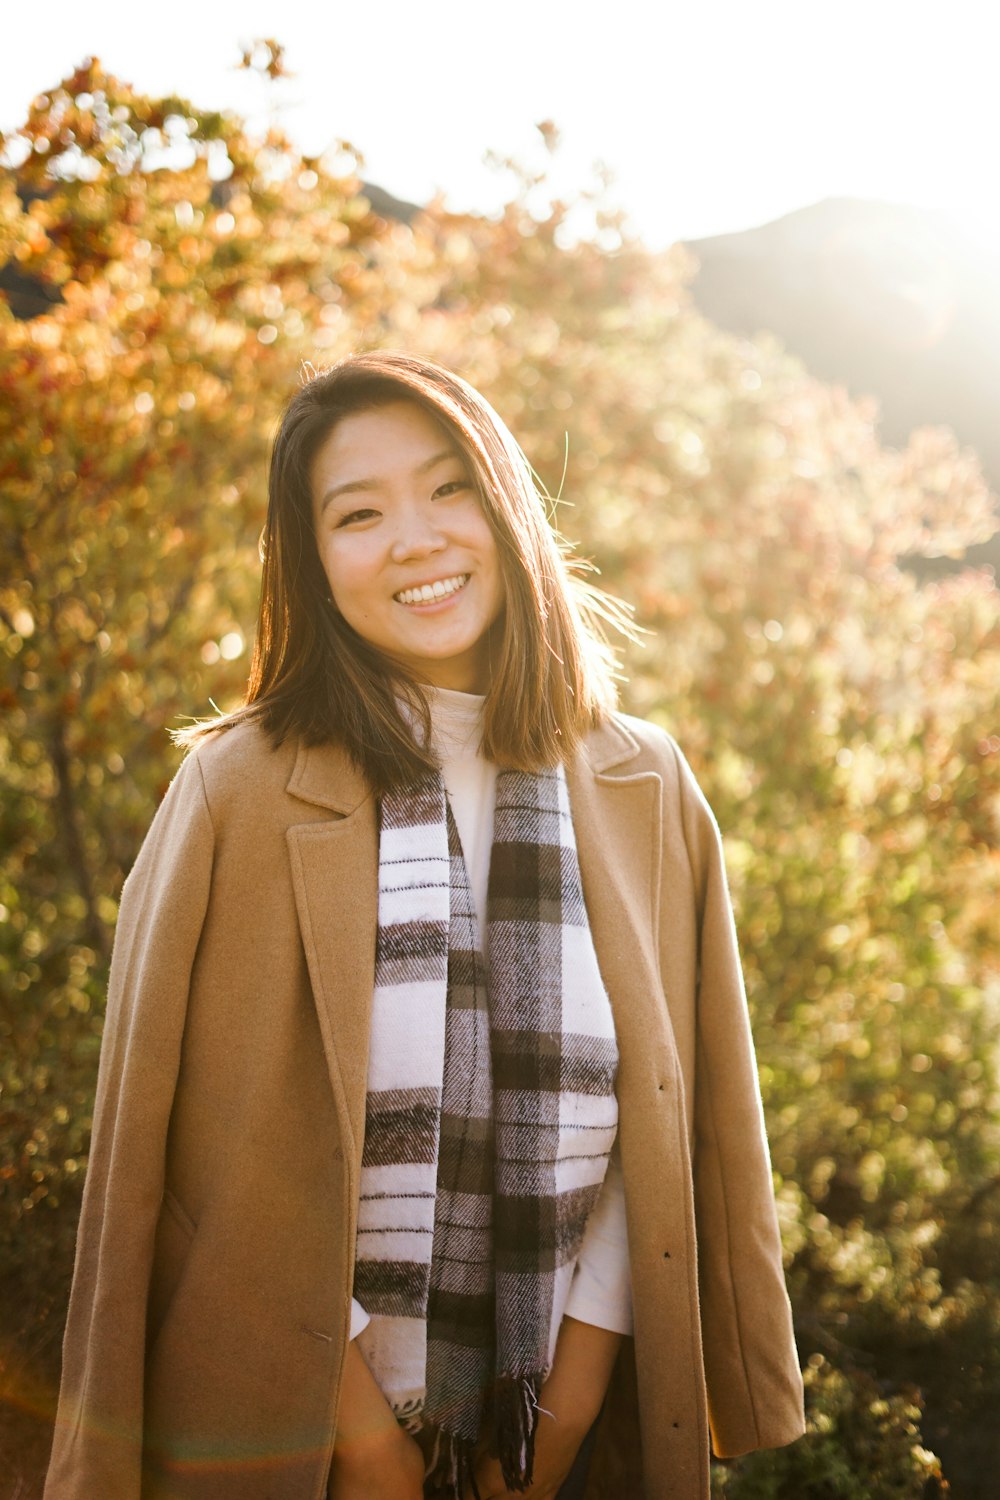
<point x="430" y="593"/>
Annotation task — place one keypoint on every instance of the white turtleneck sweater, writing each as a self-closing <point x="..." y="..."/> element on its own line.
<point x="600" y="1292"/>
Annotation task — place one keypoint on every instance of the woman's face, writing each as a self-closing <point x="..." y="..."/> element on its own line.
<point x="410" y="558"/>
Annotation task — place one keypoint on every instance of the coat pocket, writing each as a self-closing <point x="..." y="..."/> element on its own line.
<point x="175" y="1230"/>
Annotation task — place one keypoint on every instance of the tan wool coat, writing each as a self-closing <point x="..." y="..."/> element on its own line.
<point x="210" y="1305"/>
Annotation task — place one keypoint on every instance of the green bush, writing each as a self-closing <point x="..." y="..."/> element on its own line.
<point x="859" y="1445"/>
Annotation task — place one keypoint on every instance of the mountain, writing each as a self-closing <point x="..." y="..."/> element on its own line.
<point x="888" y="300"/>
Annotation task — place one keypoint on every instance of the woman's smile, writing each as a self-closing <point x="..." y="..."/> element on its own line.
<point x="431" y="593"/>
<point x="408" y="553"/>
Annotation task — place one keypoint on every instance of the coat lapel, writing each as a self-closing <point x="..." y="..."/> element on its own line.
<point x="618" y="822"/>
<point x="334" y="864"/>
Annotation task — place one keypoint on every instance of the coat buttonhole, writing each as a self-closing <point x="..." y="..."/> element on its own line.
<point x="314" y="1333"/>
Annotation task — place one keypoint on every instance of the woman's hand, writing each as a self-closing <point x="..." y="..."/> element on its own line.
<point x="569" y="1402"/>
<point x="373" y="1458"/>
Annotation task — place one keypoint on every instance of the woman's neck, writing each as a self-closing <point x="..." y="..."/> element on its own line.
<point x="456" y="720"/>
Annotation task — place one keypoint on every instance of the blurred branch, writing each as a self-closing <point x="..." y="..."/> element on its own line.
<point x="979" y="1197"/>
<point x="811" y="1332"/>
<point x="70" y="824"/>
<point x="155" y="633"/>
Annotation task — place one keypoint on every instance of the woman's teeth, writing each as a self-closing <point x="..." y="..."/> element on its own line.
<point x="429" y="591"/>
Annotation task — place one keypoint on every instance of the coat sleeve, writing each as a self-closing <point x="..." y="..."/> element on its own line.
<point x="97" y="1447"/>
<point x="753" y="1378"/>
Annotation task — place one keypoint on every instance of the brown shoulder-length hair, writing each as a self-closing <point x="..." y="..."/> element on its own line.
<point x="313" y="676"/>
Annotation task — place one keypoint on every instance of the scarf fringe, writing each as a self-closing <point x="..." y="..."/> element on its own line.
<point x="450" y="1469"/>
<point x="515" y="1419"/>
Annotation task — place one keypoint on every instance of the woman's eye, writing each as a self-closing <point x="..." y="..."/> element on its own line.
<point x="356" y="515"/>
<point x="453" y="487"/>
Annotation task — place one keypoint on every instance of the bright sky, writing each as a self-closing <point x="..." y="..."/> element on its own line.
<point x="712" y="116"/>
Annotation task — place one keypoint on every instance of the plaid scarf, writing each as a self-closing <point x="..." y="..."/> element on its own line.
<point x="490" y="1114"/>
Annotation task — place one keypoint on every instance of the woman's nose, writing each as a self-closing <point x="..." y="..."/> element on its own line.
<point x="417" y="535"/>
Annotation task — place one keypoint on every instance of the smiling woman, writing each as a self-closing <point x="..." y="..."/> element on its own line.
<point x="427" y="1124"/>
<point x="409" y="555"/>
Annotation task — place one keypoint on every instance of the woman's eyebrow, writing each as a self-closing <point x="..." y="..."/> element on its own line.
<point x="359" y="486"/>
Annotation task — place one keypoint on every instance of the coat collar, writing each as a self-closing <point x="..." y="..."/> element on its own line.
<point x="325" y="776"/>
<point x="609" y="746"/>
